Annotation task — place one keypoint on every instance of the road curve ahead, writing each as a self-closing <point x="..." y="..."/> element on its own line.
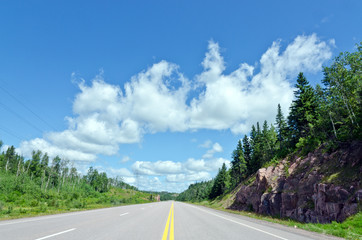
<point x="152" y="221"/>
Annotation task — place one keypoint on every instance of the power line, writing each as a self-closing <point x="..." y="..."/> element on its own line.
<point x="27" y="108"/>
<point x="10" y="133"/>
<point x="20" y="117"/>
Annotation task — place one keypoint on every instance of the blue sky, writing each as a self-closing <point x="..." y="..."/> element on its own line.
<point x="158" y="92"/>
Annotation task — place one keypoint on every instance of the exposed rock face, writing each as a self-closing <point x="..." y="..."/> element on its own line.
<point x="321" y="187"/>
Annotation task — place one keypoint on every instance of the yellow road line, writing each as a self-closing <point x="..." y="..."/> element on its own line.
<point x="165" y="232"/>
<point x="171" y="228"/>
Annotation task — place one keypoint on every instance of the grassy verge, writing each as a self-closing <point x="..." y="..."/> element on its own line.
<point x="349" y="229"/>
<point x="115" y="197"/>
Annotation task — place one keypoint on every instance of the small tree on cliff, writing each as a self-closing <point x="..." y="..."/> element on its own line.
<point x="220" y="183"/>
<point x="238" y="165"/>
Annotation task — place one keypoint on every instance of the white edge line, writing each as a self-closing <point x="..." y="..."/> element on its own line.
<point x="55" y="234"/>
<point x="123" y="214"/>
<point x="46" y="217"/>
<point x="245" y="225"/>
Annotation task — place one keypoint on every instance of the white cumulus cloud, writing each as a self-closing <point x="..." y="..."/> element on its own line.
<point x="161" y="99"/>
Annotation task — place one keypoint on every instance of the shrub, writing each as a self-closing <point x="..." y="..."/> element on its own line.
<point x="10" y="210"/>
<point x="77" y="204"/>
<point x="34" y="203"/>
<point x="43" y="207"/>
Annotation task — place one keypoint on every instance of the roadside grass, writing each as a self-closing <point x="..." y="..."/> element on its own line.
<point x="351" y="228"/>
<point x="32" y="208"/>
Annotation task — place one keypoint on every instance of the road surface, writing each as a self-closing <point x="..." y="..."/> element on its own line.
<point x="159" y="221"/>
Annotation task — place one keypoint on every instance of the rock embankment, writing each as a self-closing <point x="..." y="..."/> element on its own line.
<point x="321" y="187"/>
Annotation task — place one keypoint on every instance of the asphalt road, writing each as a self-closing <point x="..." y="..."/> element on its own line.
<point x="159" y="221"/>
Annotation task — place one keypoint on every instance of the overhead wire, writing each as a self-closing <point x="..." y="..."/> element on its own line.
<point x="11" y="133"/>
<point x="20" y="117"/>
<point x="26" y="107"/>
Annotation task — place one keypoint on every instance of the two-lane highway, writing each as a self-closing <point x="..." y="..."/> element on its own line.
<point x="159" y="221"/>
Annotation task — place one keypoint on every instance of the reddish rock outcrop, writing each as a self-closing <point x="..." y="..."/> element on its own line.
<point x="321" y="187"/>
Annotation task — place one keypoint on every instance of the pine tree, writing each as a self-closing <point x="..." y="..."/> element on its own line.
<point x="247" y="153"/>
<point x="10" y="160"/>
<point x="35" y="170"/>
<point x="326" y="120"/>
<point x="256" y="158"/>
<point x="281" y="126"/>
<point x="265" y="146"/>
<point x="238" y="165"/>
<point x="303" y="112"/>
<point x="272" y="138"/>
<point x="220" y="183"/>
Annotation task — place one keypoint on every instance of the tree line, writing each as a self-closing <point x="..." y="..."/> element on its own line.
<point x="327" y="115"/>
<point x="42" y="184"/>
<point x="55" y="174"/>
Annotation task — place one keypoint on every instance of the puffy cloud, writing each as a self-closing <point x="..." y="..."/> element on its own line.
<point x="125" y="159"/>
<point x="216" y="147"/>
<point x="206" y="144"/>
<point x="237" y="100"/>
<point x="115" y="172"/>
<point x="161" y="99"/>
<point x="189" y="170"/>
<point x="27" y="147"/>
<point x="156" y="168"/>
<point x="154" y="101"/>
<point x="176" y="174"/>
<point x="173" y="168"/>
<point x="192" y="177"/>
<point x="198" y="165"/>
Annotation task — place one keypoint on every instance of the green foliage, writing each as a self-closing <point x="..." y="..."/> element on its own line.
<point x="196" y="192"/>
<point x="281" y="126"/>
<point x="238" y="169"/>
<point x="220" y="183"/>
<point x="165" y="196"/>
<point x="306" y="145"/>
<point x="37" y="186"/>
<point x="303" y="112"/>
<point x="247" y="152"/>
<point x="329" y="116"/>
<point x="98" y="181"/>
<point x="343" y="81"/>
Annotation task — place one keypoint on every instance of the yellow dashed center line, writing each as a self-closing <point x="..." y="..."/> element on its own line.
<point x="165" y="232"/>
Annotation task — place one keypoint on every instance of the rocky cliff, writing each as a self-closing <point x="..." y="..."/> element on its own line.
<point x="321" y="187"/>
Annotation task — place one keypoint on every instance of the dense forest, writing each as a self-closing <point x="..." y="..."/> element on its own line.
<point x="329" y="115"/>
<point x="164" y="196"/>
<point x="40" y="185"/>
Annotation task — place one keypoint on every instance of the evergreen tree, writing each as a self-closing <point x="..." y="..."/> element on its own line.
<point x="303" y="112"/>
<point x="326" y="120"/>
<point x="257" y="129"/>
<point x="238" y="165"/>
<point x="196" y="192"/>
<point x="281" y="127"/>
<point x="256" y="157"/>
<point x="247" y="153"/>
<point x="35" y="167"/>
<point x="10" y="160"/>
<point x="265" y="146"/>
<point x="56" y="170"/>
<point x="220" y="183"/>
